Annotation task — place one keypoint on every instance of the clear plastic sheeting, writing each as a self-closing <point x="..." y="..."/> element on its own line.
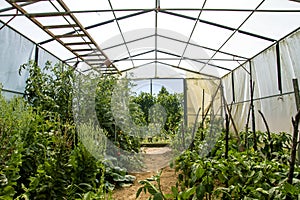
<point x="278" y="106"/>
<point x="203" y="94"/>
<point x="238" y="30"/>
<point x="16" y="50"/>
<point x="153" y="86"/>
<point x="44" y="56"/>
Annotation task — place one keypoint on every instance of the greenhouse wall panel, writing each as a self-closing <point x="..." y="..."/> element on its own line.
<point x="290" y="48"/>
<point x="15" y="50"/>
<point x="277" y="106"/>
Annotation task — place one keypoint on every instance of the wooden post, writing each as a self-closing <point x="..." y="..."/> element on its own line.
<point x="192" y="145"/>
<point x="296" y="91"/>
<point x="293" y="152"/>
<point x="252" y="109"/>
<point x="247" y="128"/>
<point x="297" y="100"/>
<point x="268" y="132"/>
<point x="203" y="116"/>
<point x="203" y="102"/>
<point x="232" y="120"/>
<point x="227" y="121"/>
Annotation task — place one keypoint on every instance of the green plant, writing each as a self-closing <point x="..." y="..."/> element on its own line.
<point x="243" y="175"/>
<point x="173" y="105"/>
<point x="104" y="91"/>
<point x="14" y="119"/>
<point x="153" y="189"/>
<point x="50" y="88"/>
<point x="87" y="174"/>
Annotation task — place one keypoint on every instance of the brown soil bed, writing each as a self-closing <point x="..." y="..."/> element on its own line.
<point x="155" y="159"/>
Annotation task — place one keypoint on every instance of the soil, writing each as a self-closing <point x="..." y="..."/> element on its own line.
<point x="155" y="159"/>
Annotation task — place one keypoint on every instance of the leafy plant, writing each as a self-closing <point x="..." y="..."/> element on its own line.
<point x="172" y="103"/>
<point x="50" y="88"/>
<point x="154" y="189"/>
<point x="14" y="119"/>
<point x="122" y="138"/>
<point x="246" y="174"/>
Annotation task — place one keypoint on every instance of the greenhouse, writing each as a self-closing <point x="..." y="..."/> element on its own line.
<point x="161" y="99"/>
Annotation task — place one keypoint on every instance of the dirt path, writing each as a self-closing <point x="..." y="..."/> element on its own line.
<point x="155" y="159"/>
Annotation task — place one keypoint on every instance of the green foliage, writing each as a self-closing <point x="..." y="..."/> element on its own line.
<point x="50" y="88"/>
<point x="87" y="173"/>
<point x="145" y="101"/>
<point x="172" y="103"/>
<point x="122" y="138"/>
<point x="39" y="159"/>
<point x="117" y="177"/>
<point x="14" y="119"/>
<point x="245" y="174"/>
<point x="153" y="189"/>
<point x="38" y="156"/>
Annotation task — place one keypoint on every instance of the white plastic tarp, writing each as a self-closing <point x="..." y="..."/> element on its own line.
<point x="16" y="50"/>
<point x="278" y="107"/>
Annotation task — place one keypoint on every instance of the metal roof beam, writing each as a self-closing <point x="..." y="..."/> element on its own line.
<point x="130" y="41"/>
<point x="117" y="18"/>
<point x="13" y="8"/>
<point x="177" y="58"/>
<point x="192" y="32"/>
<point x="167" y="9"/>
<point x="217" y="66"/>
<point x="77" y="43"/>
<point x="228" y="10"/>
<point x="122" y="35"/>
<point x="231" y="35"/>
<point x="17" y="1"/>
<point x="98" y="24"/>
<point x="200" y="46"/>
<point x="61" y="26"/>
<point x="139" y="54"/>
<point x="177" y="67"/>
<point x="188" y="70"/>
<point x="220" y="26"/>
<point x="64" y="6"/>
<point x="125" y="70"/>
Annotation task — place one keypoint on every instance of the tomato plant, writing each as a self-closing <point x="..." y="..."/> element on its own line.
<point x="50" y="88"/>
